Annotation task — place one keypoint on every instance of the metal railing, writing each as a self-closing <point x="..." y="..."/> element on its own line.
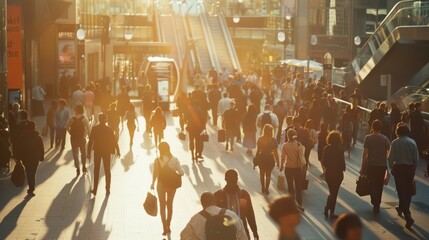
<point x="405" y="13"/>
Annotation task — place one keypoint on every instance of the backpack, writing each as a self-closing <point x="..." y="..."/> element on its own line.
<point x="219" y="226"/>
<point x="266" y="119"/>
<point x="77" y="130"/>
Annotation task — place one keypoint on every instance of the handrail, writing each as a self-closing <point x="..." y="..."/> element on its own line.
<point x="229" y="43"/>
<point x="209" y="38"/>
<point x="378" y="38"/>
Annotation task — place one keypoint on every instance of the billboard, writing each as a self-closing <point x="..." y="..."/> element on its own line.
<point x="14" y="47"/>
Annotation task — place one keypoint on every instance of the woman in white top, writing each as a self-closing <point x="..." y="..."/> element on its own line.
<point x="168" y="172"/>
<point x="292" y="166"/>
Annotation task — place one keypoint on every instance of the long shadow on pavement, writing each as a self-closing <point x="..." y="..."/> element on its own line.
<point x="65" y="208"/>
<point x="9" y="222"/>
<point x="89" y="229"/>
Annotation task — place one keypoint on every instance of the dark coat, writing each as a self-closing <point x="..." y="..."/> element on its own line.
<point x="30" y="148"/>
<point x="102" y="140"/>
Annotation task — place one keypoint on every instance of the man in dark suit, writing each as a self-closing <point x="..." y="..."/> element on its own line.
<point x="238" y="200"/>
<point x="30" y="152"/>
<point x="103" y="141"/>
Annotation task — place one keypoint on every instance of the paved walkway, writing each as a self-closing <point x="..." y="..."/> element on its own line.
<point x="63" y="209"/>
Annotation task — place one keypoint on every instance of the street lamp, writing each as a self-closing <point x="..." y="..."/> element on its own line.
<point x="281" y="37"/>
<point x="313" y="42"/>
<point x="327" y="66"/>
<point x="236" y="19"/>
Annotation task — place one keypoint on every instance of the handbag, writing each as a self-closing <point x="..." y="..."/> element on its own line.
<point x="281" y="181"/>
<point x="204" y="136"/>
<point x="176" y="112"/>
<point x="45" y="131"/>
<point x="18" y="174"/>
<point x="363" y="187"/>
<point x="413" y="188"/>
<point x="221" y="137"/>
<point x="182" y="136"/>
<point x="150" y="204"/>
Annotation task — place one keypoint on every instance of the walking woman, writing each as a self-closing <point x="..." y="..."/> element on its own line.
<point x="50" y="121"/>
<point x="131" y="118"/>
<point x="322" y="135"/>
<point x="249" y="128"/>
<point x="269" y="157"/>
<point x="347" y="129"/>
<point x="334" y="164"/>
<point x="293" y="166"/>
<point x="158" y="123"/>
<point x="166" y="166"/>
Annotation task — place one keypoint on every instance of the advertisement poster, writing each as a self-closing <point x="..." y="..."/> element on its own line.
<point x="14" y="47"/>
<point x="163" y="89"/>
<point x="66" y="53"/>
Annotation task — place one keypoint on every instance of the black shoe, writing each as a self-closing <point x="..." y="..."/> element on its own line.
<point x="84" y="170"/>
<point x="93" y="192"/>
<point x="409" y="221"/>
<point x="333" y="216"/>
<point x="376" y="209"/>
<point x="77" y="171"/>
<point x="399" y="211"/>
<point x="226" y="147"/>
<point x="300" y="208"/>
<point x="326" y="212"/>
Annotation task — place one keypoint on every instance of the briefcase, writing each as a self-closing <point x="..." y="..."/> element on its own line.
<point x="221" y="135"/>
<point x="363" y="187"/>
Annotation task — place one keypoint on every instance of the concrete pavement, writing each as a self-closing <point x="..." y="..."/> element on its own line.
<point x="63" y="208"/>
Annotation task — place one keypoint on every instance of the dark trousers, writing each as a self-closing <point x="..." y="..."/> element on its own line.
<point x="30" y="171"/>
<point x="355" y="131"/>
<point x="146" y="115"/>
<point x="76" y="147"/>
<point x="294" y="183"/>
<point x="195" y="143"/>
<point x="60" y="138"/>
<point x="404" y="176"/>
<point x="52" y="135"/>
<point x="376" y="176"/>
<point x="214" y="115"/>
<point x="334" y="183"/>
<point x="106" y="163"/>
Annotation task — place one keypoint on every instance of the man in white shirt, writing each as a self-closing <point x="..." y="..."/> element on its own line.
<point x="223" y="104"/>
<point x="196" y="228"/>
<point x="38" y="95"/>
<point x="273" y="120"/>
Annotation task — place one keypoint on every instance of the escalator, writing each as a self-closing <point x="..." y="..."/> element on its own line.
<point x="203" y="60"/>
<point x="399" y="47"/>
<point x="225" y="52"/>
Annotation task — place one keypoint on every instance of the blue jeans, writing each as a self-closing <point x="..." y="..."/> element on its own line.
<point x="75" y="152"/>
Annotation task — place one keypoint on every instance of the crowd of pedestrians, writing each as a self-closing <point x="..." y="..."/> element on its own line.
<point x="296" y="115"/>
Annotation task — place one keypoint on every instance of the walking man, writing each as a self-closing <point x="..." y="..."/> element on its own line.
<point x="231" y="124"/>
<point x="62" y="116"/>
<point x="214" y="98"/>
<point x="238" y="200"/>
<point x="198" y="227"/>
<point x="402" y="160"/>
<point x="374" y="162"/>
<point x="102" y="140"/>
<point x="78" y="127"/>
